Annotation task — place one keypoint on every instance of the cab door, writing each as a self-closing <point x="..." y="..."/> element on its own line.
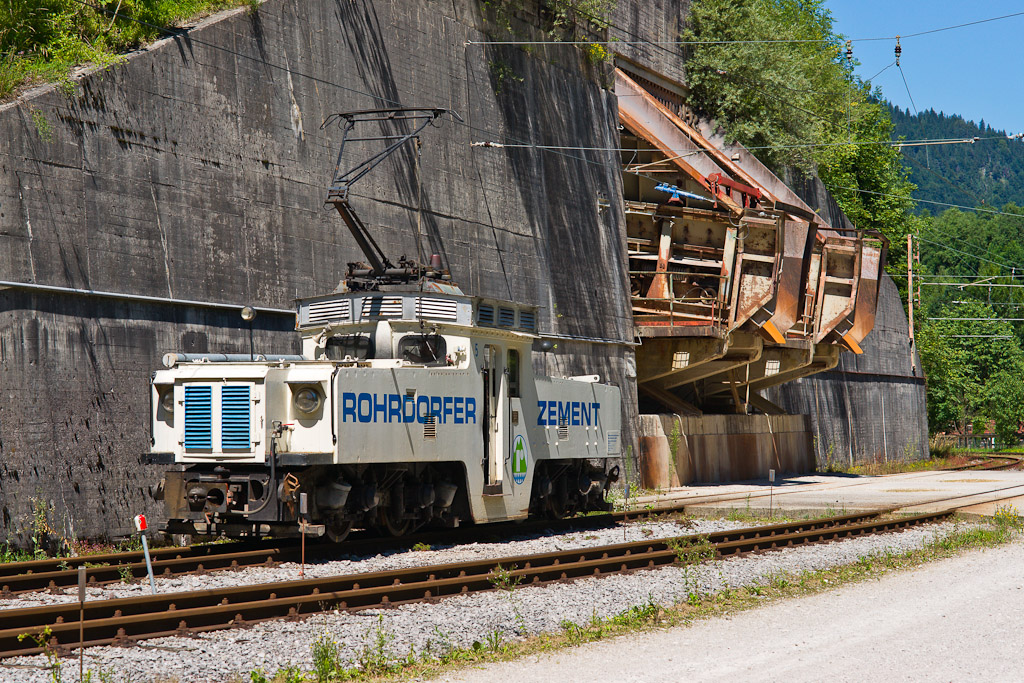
<point x="495" y="422"/>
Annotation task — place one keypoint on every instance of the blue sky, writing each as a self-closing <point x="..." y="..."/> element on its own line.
<point x="975" y="71"/>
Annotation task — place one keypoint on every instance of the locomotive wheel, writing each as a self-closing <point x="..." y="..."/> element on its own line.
<point x="339" y="531"/>
<point x="559" y="508"/>
<point x="393" y="527"/>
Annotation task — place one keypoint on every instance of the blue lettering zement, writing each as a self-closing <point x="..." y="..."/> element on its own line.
<point x="400" y="408"/>
<point x="570" y="413"/>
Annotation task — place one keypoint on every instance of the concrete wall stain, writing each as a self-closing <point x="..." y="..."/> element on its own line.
<point x="200" y="173"/>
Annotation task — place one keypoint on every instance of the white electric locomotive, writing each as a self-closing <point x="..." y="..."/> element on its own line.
<point x="406" y="408"/>
<point x="412" y="403"/>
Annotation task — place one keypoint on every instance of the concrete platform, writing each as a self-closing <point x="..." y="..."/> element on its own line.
<point x="973" y="492"/>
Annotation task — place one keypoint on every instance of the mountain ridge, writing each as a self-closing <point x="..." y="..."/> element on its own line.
<point x="988" y="172"/>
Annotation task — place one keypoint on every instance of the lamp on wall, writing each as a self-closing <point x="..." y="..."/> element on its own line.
<point x="248" y="314"/>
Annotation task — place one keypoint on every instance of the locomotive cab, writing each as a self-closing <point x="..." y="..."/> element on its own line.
<point x="406" y="408"/>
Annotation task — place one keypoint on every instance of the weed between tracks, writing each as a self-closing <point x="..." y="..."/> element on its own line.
<point x="375" y="661"/>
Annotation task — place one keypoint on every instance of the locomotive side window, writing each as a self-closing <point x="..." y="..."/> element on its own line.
<point x="356" y="346"/>
<point x="513" y="373"/>
<point x="423" y="349"/>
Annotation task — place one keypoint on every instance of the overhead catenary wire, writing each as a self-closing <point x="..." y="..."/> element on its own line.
<point x="981" y="336"/>
<point x="890" y="143"/>
<point x="907" y="86"/>
<point x="754" y="41"/>
<point x="972" y="284"/>
<point x="883" y="70"/>
<point x="178" y="32"/>
<point x="172" y="33"/>
<point x="946" y="276"/>
<point x="975" y="256"/>
<point x="929" y="201"/>
<point x="552" y="148"/>
<point x="963" y="25"/>
<point x="990" y="303"/>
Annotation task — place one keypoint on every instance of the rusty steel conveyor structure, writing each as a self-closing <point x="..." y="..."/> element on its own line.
<point x="737" y="284"/>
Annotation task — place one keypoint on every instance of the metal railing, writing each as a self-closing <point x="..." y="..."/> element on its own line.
<point x="675" y="307"/>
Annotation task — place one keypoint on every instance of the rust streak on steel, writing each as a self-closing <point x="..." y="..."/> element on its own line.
<point x="867" y="292"/>
<point x="644" y="114"/>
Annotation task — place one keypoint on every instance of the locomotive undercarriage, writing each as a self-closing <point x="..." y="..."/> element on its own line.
<point x="562" y="488"/>
<point x="395" y="499"/>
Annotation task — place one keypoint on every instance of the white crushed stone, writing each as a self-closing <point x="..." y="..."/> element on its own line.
<point x="289" y="571"/>
<point x="461" y="620"/>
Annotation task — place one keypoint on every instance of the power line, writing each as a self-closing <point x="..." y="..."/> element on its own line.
<point x="990" y="303"/>
<point x="980" y="258"/>
<point x="752" y="41"/>
<point x="904" y="77"/>
<point x="652" y="42"/>
<point x="931" y="226"/>
<point x="891" y="64"/>
<point x="961" y="285"/>
<point x="891" y="143"/>
<point x="946" y="276"/>
<point x="969" y="23"/>
<point x="928" y="201"/>
<point x="553" y="148"/>
<point x="943" y="178"/>
<point x="988" y="320"/>
<point x="188" y="35"/>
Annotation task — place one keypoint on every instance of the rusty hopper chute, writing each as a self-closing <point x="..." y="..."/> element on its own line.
<point x="737" y="283"/>
<point x="394" y="128"/>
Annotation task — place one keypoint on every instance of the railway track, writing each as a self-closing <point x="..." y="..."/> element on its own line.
<point x="54" y="574"/>
<point x="990" y="462"/>
<point x="126" y="620"/>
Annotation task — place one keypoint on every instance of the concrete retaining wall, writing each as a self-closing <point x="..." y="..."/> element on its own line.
<point x="677" y="450"/>
<point x="872" y="406"/>
<point x="197" y="170"/>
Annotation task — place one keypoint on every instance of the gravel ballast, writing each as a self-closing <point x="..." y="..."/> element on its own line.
<point x="453" y="622"/>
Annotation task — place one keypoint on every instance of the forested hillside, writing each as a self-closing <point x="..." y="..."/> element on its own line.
<point x="971" y="335"/>
<point x="990" y="171"/>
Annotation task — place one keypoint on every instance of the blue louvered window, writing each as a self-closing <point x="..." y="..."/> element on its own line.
<point x="506" y="317"/>
<point x="527" y="320"/>
<point x="234" y="418"/>
<point x="198" y="417"/>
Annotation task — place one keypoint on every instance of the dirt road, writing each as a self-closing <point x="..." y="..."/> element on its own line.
<point x="956" y="620"/>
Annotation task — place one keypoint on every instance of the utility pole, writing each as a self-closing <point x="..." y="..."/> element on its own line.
<point x="910" y="300"/>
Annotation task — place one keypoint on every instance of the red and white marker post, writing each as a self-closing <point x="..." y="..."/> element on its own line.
<point x="140" y="526"/>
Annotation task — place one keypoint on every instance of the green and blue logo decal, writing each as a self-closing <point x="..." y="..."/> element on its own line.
<point x="519" y="460"/>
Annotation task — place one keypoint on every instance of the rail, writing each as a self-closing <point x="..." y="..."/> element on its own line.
<point x="126" y="620"/>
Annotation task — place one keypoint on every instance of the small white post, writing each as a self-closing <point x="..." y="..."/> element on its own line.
<point x="81" y="621"/>
<point x="771" y="493"/>
<point x="140" y="526"/>
<point x="303" y="513"/>
<point x="626" y="510"/>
